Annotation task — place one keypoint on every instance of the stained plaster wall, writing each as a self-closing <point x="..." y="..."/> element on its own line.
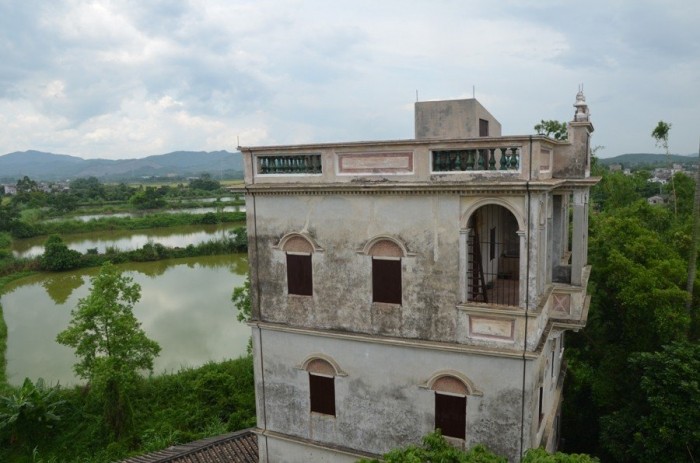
<point x="383" y="403"/>
<point x="428" y="226"/>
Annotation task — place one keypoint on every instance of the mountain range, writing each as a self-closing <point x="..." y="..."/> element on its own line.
<point x="632" y="160"/>
<point x="39" y="165"/>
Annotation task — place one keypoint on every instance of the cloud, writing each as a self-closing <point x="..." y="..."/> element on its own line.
<point x="129" y="78"/>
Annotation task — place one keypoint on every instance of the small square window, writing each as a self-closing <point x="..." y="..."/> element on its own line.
<point x="386" y="281"/>
<point x="322" y="394"/>
<point x="299" y="277"/>
<point x="451" y="415"/>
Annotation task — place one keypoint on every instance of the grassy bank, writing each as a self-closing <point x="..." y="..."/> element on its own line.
<point x="160" y="220"/>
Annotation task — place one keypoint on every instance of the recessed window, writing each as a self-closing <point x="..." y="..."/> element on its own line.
<point x="451" y="405"/>
<point x="322" y="394"/>
<point x="299" y="275"/>
<point x="451" y="415"/>
<point x="386" y="271"/>
<point x="540" y="405"/>
<point x="386" y="280"/>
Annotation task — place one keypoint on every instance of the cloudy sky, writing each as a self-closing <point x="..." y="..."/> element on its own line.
<point x="131" y="78"/>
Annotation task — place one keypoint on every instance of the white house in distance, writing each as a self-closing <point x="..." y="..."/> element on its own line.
<point x="405" y="285"/>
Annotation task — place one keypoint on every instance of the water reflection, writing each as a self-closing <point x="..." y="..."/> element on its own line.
<point x="185" y="306"/>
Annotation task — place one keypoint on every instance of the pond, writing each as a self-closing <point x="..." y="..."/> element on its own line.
<point x="127" y="240"/>
<point x="185" y="306"/>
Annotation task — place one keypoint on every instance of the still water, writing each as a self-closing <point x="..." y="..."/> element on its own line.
<point x="189" y="210"/>
<point x="185" y="306"/>
<point x="127" y="240"/>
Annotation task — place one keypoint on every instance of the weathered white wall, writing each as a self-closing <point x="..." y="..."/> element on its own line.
<point x="383" y="403"/>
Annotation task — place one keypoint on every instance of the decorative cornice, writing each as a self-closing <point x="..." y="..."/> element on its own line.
<point x="501" y="187"/>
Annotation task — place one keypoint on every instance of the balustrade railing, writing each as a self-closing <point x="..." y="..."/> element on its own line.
<point x="290" y="164"/>
<point x="484" y="159"/>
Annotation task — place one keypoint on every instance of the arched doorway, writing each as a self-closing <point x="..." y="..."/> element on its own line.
<point x="493" y="254"/>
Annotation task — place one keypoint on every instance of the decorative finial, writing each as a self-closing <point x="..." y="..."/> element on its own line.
<point x="582" y="114"/>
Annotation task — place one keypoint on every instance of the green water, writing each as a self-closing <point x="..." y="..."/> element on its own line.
<point x="185" y="306"/>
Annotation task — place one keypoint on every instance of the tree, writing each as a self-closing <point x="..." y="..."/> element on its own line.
<point x="111" y="347"/>
<point x="660" y="134"/>
<point x="149" y="198"/>
<point x="205" y="182"/>
<point x="555" y="129"/>
<point x="57" y="257"/>
<point x="661" y="420"/>
<point x="436" y="449"/>
<point x="9" y="215"/>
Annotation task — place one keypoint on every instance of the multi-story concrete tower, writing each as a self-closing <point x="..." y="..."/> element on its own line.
<point x="406" y="285"/>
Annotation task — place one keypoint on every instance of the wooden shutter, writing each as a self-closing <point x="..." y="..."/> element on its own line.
<point x="386" y="281"/>
<point x="299" y="278"/>
<point x="322" y="394"/>
<point x="451" y="415"/>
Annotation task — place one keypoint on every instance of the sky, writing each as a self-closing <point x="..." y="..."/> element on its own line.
<point x="132" y="78"/>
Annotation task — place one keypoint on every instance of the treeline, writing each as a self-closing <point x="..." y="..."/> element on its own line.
<point x="21" y="229"/>
<point x="61" y="198"/>
<point x="632" y="392"/>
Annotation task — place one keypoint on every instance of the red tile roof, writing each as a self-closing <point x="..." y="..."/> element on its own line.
<point x="235" y="447"/>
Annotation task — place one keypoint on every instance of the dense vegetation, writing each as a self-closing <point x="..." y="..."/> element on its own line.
<point x="633" y="383"/>
<point x="435" y="448"/>
<point x="167" y="409"/>
<point x="91" y="423"/>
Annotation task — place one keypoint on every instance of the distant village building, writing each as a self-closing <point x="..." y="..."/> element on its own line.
<point x="406" y="285"/>
<point x="656" y="199"/>
<point x="10" y="190"/>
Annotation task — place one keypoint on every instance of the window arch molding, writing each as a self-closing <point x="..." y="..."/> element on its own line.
<point x="452" y="382"/>
<point x="298" y="242"/>
<point x="313" y="361"/>
<point x="492" y="201"/>
<point x="373" y="247"/>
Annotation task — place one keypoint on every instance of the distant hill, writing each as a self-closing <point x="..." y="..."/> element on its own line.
<point x="52" y="167"/>
<point x="632" y="160"/>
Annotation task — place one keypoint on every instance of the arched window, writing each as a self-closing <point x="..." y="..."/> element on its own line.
<point x="298" y="250"/>
<point x="321" y="385"/>
<point x="451" y="391"/>
<point x="386" y="271"/>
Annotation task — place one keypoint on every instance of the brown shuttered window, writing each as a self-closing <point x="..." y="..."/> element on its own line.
<point x="451" y="415"/>
<point x="386" y="281"/>
<point x="299" y="279"/>
<point x="322" y="394"/>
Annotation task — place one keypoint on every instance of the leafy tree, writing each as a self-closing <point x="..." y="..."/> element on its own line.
<point x="552" y="128"/>
<point x="28" y="413"/>
<point x="149" y="198"/>
<point x="241" y="300"/>
<point x="9" y="215"/>
<point x="63" y="202"/>
<point x="88" y="188"/>
<point x="111" y="346"/>
<point x="57" y="257"/>
<point x="661" y="419"/>
<point x="26" y="185"/>
<point x="205" y="182"/>
<point x="660" y="134"/>
<point x="436" y="449"/>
